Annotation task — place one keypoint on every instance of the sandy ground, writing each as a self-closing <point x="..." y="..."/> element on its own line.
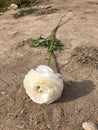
<point x="79" y="101"/>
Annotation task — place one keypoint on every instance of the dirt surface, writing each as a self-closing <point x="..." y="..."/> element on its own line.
<point x="79" y="101"/>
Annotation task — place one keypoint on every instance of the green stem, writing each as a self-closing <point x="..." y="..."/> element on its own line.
<point x="58" y="25"/>
<point x="49" y="60"/>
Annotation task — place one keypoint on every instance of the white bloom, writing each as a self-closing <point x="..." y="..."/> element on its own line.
<point x="43" y="85"/>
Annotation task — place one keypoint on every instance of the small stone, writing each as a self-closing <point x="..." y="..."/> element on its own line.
<point x="2" y="93"/>
<point x="13" y="6"/>
<point x="45" y="113"/>
<point x="49" y="126"/>
<point x="36" y="122"/>
<point x="89" y="126"/>
<point x="20" y="126"/>
<point x="1" y="13"/>
<point x="41" y="128"/>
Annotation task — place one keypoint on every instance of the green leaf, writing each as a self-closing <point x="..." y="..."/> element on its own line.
<point x="38" y="38"/>
<point x="34" y="43"/>
<point x="50" y="42"/>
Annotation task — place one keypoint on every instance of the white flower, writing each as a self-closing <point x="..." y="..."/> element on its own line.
<point x="43" y="85"/>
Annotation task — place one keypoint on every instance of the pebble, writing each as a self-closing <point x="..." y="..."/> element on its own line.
<point x="89" y="126"/>
<point x="20" y="126"/>
<point x="13" y="6"/>
<point x="2" y="93"/>
<point x="48" y="126"/>
<point x="1" y="13"/>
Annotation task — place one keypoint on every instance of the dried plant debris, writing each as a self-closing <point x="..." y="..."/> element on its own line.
<point x="87" y="56"/>
<point x="89" y="126"/>
<point x="36" y="11"/>
<point x="25" y="12"/>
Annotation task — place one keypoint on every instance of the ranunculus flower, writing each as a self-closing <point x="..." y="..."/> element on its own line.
<point x="43" y="85"/>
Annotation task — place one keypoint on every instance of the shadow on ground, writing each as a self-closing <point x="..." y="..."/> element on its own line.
<point x="73" y="90"/>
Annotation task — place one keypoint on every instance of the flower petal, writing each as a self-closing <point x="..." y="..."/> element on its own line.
<point x="44" y="68"/>
<point x="43" y="85"/>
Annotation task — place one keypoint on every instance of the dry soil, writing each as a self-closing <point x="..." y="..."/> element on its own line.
<point x="79" y="101"/>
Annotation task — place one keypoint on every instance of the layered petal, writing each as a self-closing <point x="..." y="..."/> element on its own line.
<point x="42" y="85"/>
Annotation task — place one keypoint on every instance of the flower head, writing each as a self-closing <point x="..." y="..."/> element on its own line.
<point x="43" y="85"/>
